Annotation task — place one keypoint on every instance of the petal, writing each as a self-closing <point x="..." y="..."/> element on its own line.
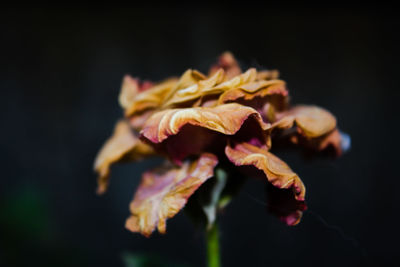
<point x="277" y="172"/>
<point x="249" y="76"/>
<point x="333" y="143"/>
<point x="257" y="90"/>
<point x="150" y="98"/>
<point x="282" y="204"/>
<point x="197" y="90"/>
<point x="267" y="75"/>
<point x="129" y="90"/>
<point x="226" y="119"/>
<point x="123" y="143"/>
<point x="311" y="121"/>
<point x="227" y="62"/>
<point x="164" y="192"/>
<point x="188" y="79"/>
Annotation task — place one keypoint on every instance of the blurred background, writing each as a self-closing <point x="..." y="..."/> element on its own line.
<point x="61" y="71"/>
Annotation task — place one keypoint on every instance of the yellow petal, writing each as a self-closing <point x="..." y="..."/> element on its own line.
<point x="277" y="172"/>
<point x="267" y="75"/>
<point x="226" y="119"/>
<point x="129" y="90"/>
<point x="188" y="78"/>
<point x="165" y="191"/>
<point x="249" y="76"/>
<point x="123" y="143"/>
<point x="150" y="98"/>
<point x="196" y="90"/>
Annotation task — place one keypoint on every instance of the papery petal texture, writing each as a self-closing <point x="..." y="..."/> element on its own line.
<point x="164" y="192"/>
<point x="197" y="90"/>
<point x="122" y="144"/>
<point x="312" y="121"/>
<point x="277" y="171"/>
<point x="129" y="90"/>
<point x="249" y="90"/>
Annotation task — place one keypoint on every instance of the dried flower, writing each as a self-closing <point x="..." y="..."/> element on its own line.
<point x="227" y="119"/>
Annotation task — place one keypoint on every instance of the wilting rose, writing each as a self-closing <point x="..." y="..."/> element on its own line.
<point x="197" y="122"/>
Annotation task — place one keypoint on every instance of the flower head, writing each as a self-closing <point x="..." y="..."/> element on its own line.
<point x="226" y="119"/>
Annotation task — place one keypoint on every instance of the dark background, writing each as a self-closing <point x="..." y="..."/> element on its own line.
<point x="61" y="71"/>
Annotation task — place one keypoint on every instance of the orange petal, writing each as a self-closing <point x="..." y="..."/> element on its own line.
<point x="226" y="119"/>
<point x="165" y="191"/>
<point x="148" y="99"/>
<point x="277" y="172"/>
<point x="123" y="143"/>
<point x="312" y="121"/>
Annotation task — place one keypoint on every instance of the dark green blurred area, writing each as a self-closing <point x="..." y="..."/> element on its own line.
<point x="60" y="76"/>
<point x="30" y="234"/>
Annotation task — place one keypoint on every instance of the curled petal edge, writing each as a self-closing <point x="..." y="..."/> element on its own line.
<point x="277" y="171"/>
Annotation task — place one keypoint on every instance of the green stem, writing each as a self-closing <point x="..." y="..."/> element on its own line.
<point x="213" y="255"/>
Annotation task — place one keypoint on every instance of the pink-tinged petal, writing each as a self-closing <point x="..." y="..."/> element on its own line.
<point x="196" y="90"/>
<point x="164" y="192"/>
<point x="226" y="119"/>
<point x="283" y="204"/>
<point x="311" y="121"/>
<point x="277" y="172"/>
<point x="123" y="144"/>
<point x="150" y="98"/>
<point x="228" y="63"/>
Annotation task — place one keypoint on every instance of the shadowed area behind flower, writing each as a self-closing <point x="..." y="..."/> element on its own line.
<point x="229" y="115"/>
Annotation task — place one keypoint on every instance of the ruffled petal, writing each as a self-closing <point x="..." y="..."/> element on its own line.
<point x="257" y="94"/>
<point x="148" y="99"/>
<point x="123" y="144"/>
<point x="311" y="121"/>
<point x="188" y="79"/>
<point x="197" y="90"/>
<point x="277" y="172"/>
<point x="164" y="192"/>
<point x="129" y="90"/>
<point x="226" y="119"/>
<point x="247" y="77"/>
